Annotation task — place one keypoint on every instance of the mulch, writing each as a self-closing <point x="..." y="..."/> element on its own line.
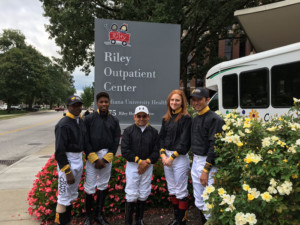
<point x="154" y="217"/>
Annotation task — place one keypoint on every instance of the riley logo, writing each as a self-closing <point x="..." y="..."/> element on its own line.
<point x="118" y="36"/>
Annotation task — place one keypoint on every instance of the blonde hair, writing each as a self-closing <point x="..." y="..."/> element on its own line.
<point x="167" y="117"/>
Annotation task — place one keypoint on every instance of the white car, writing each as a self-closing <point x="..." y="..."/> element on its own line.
<point x="15" y="107"/>
<point x="3" y="107"/>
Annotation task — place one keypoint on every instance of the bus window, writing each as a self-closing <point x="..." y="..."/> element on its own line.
<point x="285" y="80"/>
<point x="254" y="89"/>
<point x="230" y="91"/>
<point x="214" y="102"/>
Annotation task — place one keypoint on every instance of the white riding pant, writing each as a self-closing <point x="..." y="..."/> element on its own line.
<point x="197" y="168"/>
<point x="177" y="175"/>
<point x="97" y="177"/>
<point x="138" y="186"/>
<point x="68" y="193"/>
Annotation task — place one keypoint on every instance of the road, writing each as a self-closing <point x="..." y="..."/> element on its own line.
<point x="25" y="135"/>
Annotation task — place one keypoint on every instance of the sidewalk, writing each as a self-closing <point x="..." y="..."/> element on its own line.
<point x="15" y="183"/>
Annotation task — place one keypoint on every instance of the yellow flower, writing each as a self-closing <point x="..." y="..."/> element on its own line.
<point x="221" y="210"/>
<point x="281" y="143"/>
<point x="221" y="191"/>
<point x="272" y="128"/>
<point x="225" y="127"/>
<point x="285" y="160"/>
<point x="247" y="125"/>
<point x="246" y="187"/>
<point x="266" y="196"/>
<point x="240" y="144"/>
<point x="280" y="118"/>
<point x="247" y="160"/>
<point x="250" y="197"/>
<point x="294" y="176"/>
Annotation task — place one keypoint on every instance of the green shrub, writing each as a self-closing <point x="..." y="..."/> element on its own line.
<point x="258" y="177"/>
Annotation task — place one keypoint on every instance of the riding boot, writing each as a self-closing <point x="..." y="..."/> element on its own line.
<point x="140" y="208"/>
<point x="182" y="214"/>
<point x="100" y="203"/>
<point x="129" y="209"/>
<point x="62" y="218"/>
<point x="88" y="209"/>
<point x="174" y="201"/>
<point x="203" y="219"/>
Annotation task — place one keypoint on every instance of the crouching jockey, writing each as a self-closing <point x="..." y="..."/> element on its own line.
<point x="70" y="140"/>
<point x="139" y="148"/>
<point x="104" y="133"/>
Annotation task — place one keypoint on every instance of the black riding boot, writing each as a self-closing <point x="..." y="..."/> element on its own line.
<point x="174" y="201"/>
<point x="129" y="209"/>
<point x="64" y="218"/>
<point x="203" y="219"/>
<point x="100" y="203"/>
<point x="88" y="209"/>
<point x="140" y="208"/>
<point x="176" y="212"/>
<point x="182" y="211"/>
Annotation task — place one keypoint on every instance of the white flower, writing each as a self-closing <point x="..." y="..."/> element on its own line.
<point x="294" y="126"/>
<point x="296" y="100"/>
<point x="247" y="131"/>
<point x="209" y="206"/>
<point x="221" y="191"/>
<point x="230" y="208"/>
<point x="251" y="218"/>
<point x="270" y="152"/>
<point x="272" y="190"/>
<point x="266" y="142"/>
<point x="205" y="196"/>
<point x="292" y="149"/>
<point x="241" y="133"/>
<point x="280" y="190"/>
<point x="271" y="128"/>
<point x="275" y="138"/>
<point x="298" y="142"/>
<point x="251" y="157"/>
<point x="287" y="187"/>
<point x="225" y="127"/>
<point x="240" y="219"/>
<point x="209" y="189"/>
<point x="246" y="187"/>
<point x="273" y="182"/>
<point x="254" y="192"/>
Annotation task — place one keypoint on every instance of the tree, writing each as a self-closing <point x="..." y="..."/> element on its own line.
<point x="28" y="76"/>
<point x="12" y="76"/>
<point x="87" y="96"/>
<point x="203" y="23"/>
<point x="11" y="39"/>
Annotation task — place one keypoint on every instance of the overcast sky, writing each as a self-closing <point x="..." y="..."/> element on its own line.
<point x="27" y="16"/>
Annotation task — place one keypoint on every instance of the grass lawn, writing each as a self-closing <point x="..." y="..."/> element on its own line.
<point x="14" y="113"/>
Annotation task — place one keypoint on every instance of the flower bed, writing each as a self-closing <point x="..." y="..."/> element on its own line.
<point x="42" y="198"/>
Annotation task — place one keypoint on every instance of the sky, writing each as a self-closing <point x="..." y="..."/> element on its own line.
<point x="27" y="16"/>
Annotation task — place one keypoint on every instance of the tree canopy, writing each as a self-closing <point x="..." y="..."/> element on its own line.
<point x="203" y="23"/>
<point x="87" y="96"/>
<point x="27" y="76"/>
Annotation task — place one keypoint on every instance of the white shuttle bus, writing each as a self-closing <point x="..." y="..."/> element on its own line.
<point x="258" y="85"/>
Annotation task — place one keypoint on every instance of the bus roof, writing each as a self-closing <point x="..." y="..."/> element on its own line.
<point x="251" y="58"/>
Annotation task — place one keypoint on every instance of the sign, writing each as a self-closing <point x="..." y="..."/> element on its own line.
<point x="136" y="63"/>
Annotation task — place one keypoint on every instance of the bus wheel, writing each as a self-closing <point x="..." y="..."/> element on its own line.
<point x="124" y="43"/>
<point x="113" y="42"/>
